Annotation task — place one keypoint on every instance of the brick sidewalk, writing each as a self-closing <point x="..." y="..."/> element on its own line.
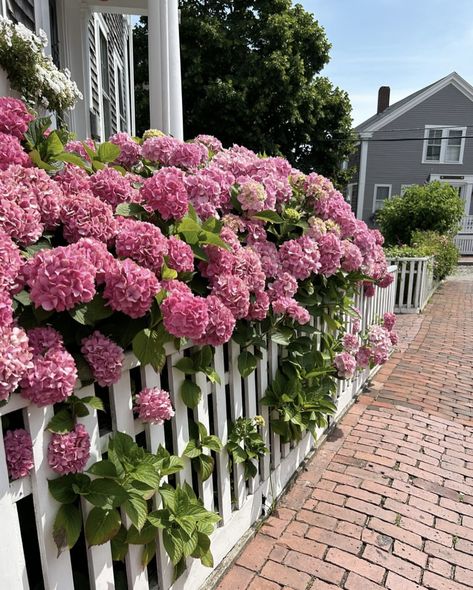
<point x="387" y="502"/>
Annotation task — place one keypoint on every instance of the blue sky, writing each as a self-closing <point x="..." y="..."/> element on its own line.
<point x="404" y="44"/>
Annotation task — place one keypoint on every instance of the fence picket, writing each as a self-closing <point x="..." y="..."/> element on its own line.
<point x="251" y="411"/>
<point x="262" y="371"/>
<point x="236" y="411"/>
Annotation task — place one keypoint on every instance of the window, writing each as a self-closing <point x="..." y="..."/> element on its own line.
<point x="444" y="145"/>
<point x="120" y="103"/>
<point x="105" y="79"/>
<point x="382" y="192"/>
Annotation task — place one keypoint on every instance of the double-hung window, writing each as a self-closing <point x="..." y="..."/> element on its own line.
<point x="443" y="145"/>
<point x="382" y="192"/>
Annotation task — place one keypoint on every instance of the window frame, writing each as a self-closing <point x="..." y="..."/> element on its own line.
<point x="403" y="189"/>
<point x="102" y="29"/>
<point x="121" y="120"/>
<point x="381" y="185"/>
<point x="443" y="144"/>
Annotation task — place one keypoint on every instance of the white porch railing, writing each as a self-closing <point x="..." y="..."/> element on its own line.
<point x="415" y="283"/>
<point x="23" y="546"/>
<point x="464" y="239"/>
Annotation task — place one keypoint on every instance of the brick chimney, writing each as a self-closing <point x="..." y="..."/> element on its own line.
<point x="383" y="98"/>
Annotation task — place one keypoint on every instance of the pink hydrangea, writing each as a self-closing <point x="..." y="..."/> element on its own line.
<point x="130" y="151"/>
<point x="387" y="280"/>
<point x="369" y="289"/>
<point x="284" y="286"/>
<point x="380" y="343"/>
<point x="351" y="343"/>
<point x="248" y="267"/>
<point x="37" y="183"/>
<point x="14" y="118"/>
<point x="130" y="288"/>
<point x="394" y="337"/>
<point x="86" y="216"/>
<point x="204" y="193"/>
<point x="11" y="262"/>
<point x="61" y="278"/>
<point x="345" y="363"/>
<point x="300" y="257"/>
<point x="43" y="339"/>
<point x="317" y="186"/>
<point x="220" y="325"/>
<point x="219" y="262"/>
<point x="15" y="359"/>
<point x="18" y="453"/>
<point x="160" y="149"/>
<point x="317" y="228"/>
<point x="142" y="242"/>
<point x="330" y="254"/>
<point x="97" y="254"/>
<point x="356" y="326"/>
<point x="176" y="286"/>
<point x="211" y="143"/>
<point x="6" y="309"/>
<point x="290" y="307"/>
<point x="389" y="321"/>
<point x="259" y="306"/>
<point x="234" y="294"/>
<point x="378" y="236"/>
<point x="166" y="193"/>
<point x="269" y="256"/>
<point x="363" y="357"/>
<point x="20" y="215"/>
<point x="77" y="147"/>
<point x="105" y="358"/>
<point x="51" y="379"/>
<point x="73" y="180"/>
<point x="189" y="155"/>
<point x="113" y="188"/>
<point x="352" y="258"/>
<point x="251" y="195"/>
<point x="185" y="315"/>
<point x="11" y="152"/>
<point x="153" y="405"/>
<point x="180" y="255"/>
<point x="69" y="453"/>
<point x="231" y="239"/>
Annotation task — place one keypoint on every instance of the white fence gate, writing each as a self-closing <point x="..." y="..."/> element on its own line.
<point x="464" y="239"/>
<point x="415" y="283"/>
<point x="27" y="510"/>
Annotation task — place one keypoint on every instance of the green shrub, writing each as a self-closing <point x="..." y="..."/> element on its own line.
<point x="433" y="207"/>
<point x="442" y="247"/>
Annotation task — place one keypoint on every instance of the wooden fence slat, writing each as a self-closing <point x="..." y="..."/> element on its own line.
<point x="251" y="411"/>
<point x="180" y="423"/>
<point x="12" y="558"/>
<point x="201" y="414"/>
<point x="275" y="439"/>
<point x="219" y="404"/>
<point x="57" y="571"/>
<point x="236" y="411"/>
<point x="121" y="405"/>
<point x="99" y="556"/>
<point x="262" y="371"/>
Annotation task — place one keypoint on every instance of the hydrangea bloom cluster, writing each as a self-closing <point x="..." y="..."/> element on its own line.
<point x="113" y="188"/>
<point x="130" y="150"/>
<point x="14" y="117"/>
<point x="104" y="357"/>
<point x="53" y="374"/>
<point x="166" y="193"/>
<point x="15" y="359"/>
<point x="153" y="405"/>
<point x="185" y="315"/>
<point x="69" y="452"/>
<point x="18" y="452"/>
<point x="142" y="242"/>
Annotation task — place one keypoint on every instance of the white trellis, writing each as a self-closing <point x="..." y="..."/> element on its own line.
<point x="239" y="503"/>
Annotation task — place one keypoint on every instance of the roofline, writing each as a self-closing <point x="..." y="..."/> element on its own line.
<point x="460" y="83"/>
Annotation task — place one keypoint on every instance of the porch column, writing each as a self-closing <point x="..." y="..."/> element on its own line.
<point x="165" y="92"/>
<point x="75" y="15"/>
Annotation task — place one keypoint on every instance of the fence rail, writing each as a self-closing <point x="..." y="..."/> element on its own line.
<point x="27" y="511"/>
<point x="415" y="283"/>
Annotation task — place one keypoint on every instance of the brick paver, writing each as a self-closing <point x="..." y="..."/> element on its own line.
<point x="387" y="501"/>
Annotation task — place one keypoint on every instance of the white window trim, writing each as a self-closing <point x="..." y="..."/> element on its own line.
<point x="100" y="26"/>
<point x="117" y="65"/>
<point x="376" y="186"/>
<point x="350" y="190"/>
<point x="443" y="144"/>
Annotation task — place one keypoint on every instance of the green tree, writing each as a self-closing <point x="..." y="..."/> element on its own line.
<point x="250" y="76"/>
<point x="434" y="206"/>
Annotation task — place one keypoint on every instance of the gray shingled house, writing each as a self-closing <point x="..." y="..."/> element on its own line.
<point x="425" y="136"/>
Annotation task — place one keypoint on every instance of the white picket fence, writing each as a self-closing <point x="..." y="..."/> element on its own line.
<point x="239" y="503"/>
<point x="415" y="283"/>
<point x="464" y="239"/>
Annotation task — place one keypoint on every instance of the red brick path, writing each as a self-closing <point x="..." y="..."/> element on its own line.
<point x="387" y="502"/>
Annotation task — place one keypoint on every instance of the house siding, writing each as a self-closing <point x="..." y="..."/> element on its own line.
<point x="21" y="11"/>
<point x="398" y="163"/>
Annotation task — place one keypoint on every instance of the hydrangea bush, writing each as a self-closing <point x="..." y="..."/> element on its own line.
<point x="134" y="243"/>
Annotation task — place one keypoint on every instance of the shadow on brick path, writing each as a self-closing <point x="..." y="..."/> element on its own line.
<point x="388" y="501"/>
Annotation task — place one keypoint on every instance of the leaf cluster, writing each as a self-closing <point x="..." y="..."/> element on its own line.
<point x="245" y="444"/>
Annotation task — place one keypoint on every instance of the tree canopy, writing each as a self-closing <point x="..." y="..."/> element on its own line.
<point x="250" y="76"/>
